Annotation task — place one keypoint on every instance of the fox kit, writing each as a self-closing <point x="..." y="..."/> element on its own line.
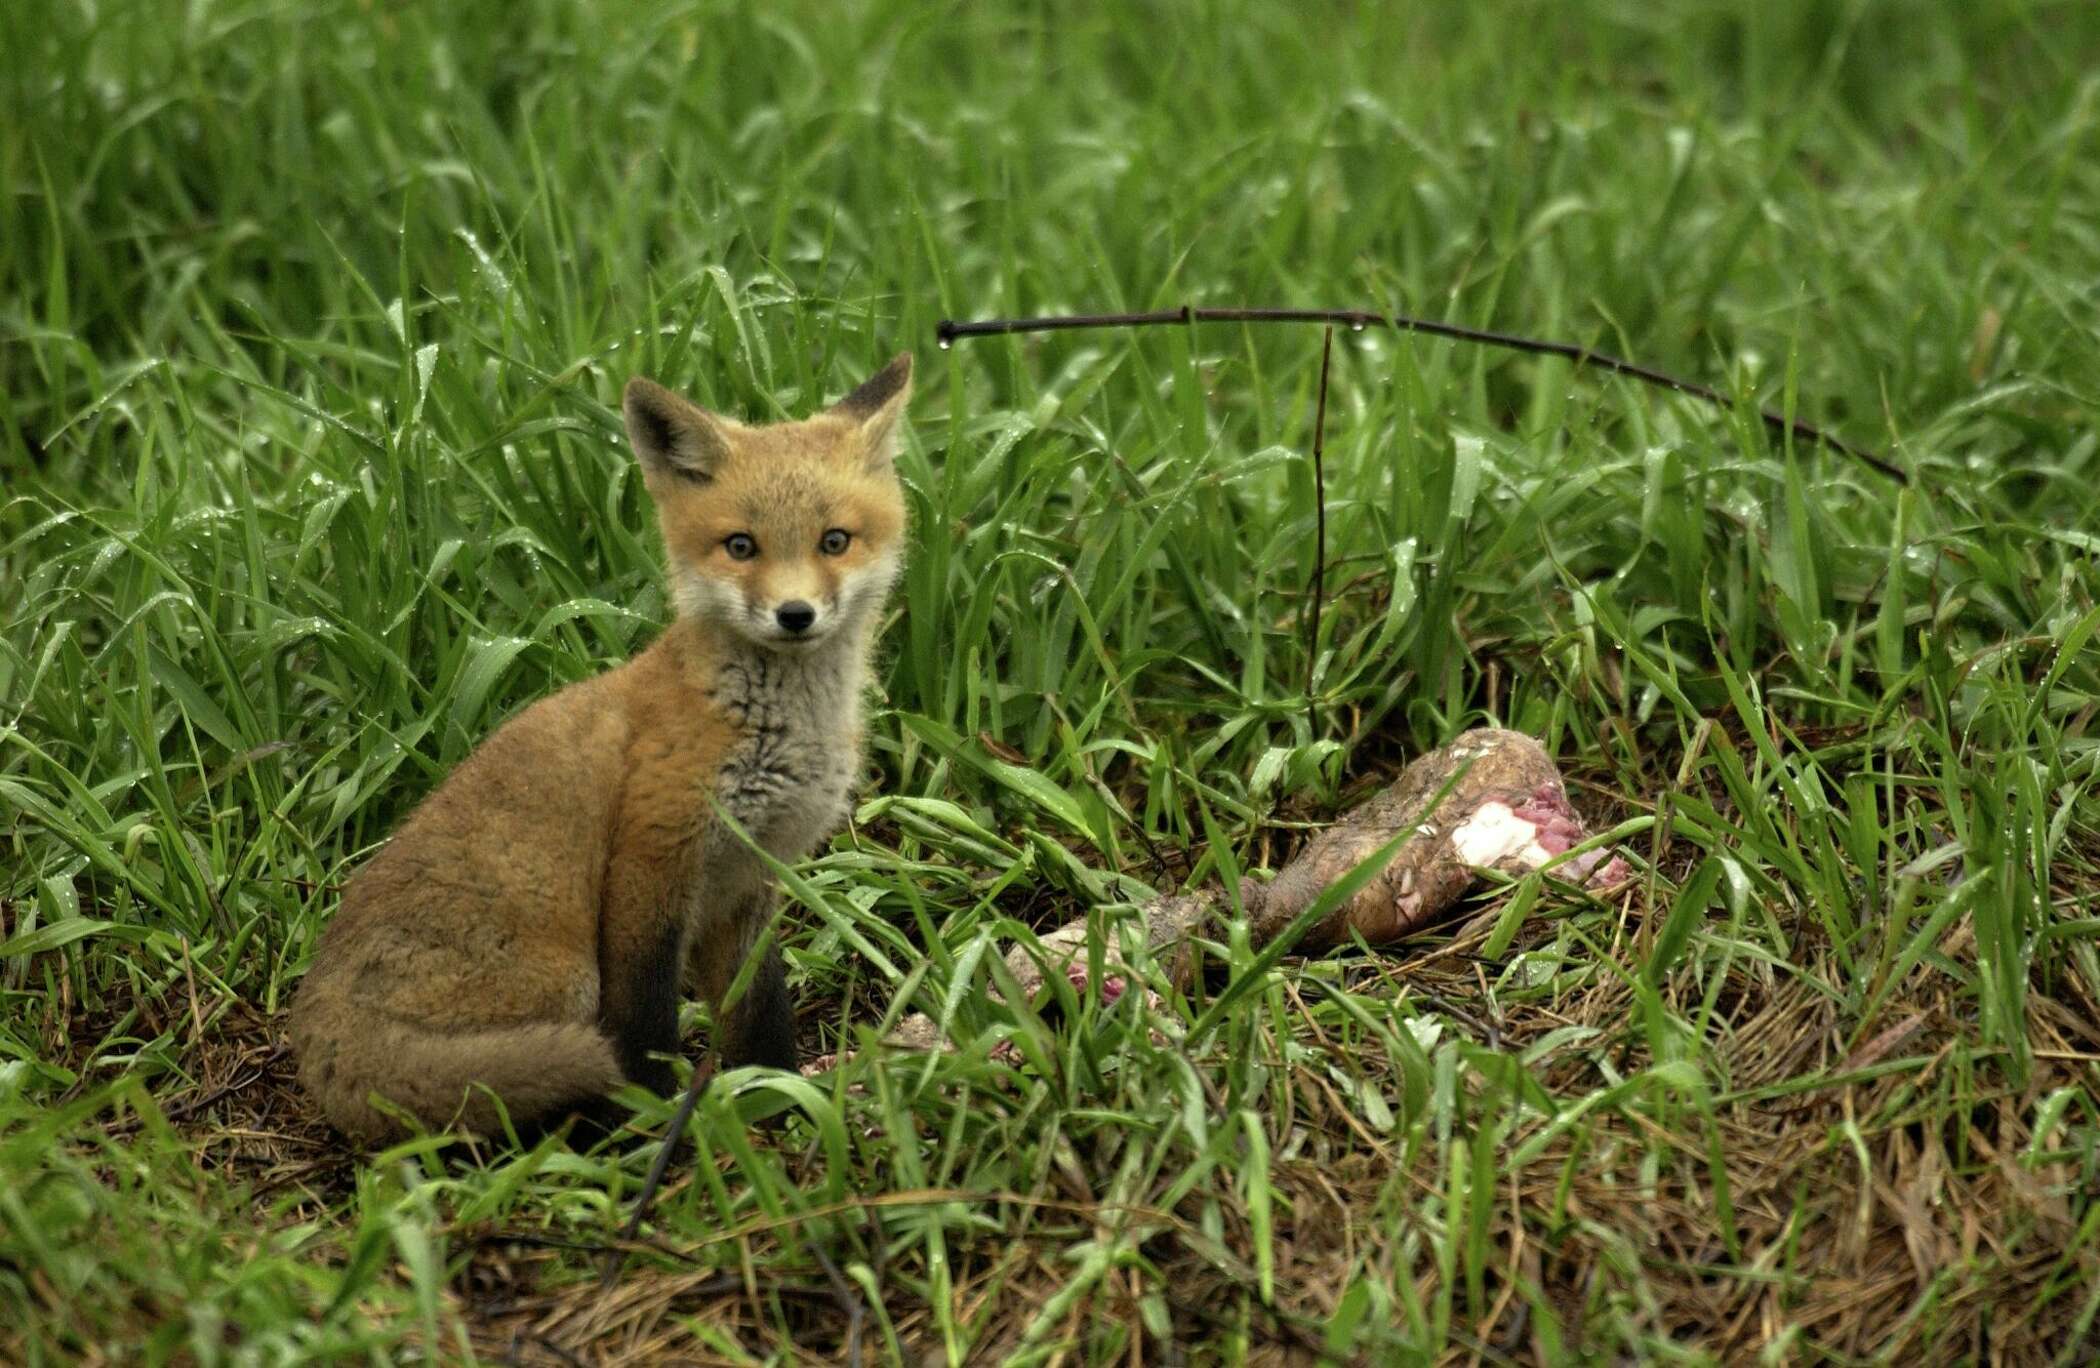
<point x="526" y="931"/>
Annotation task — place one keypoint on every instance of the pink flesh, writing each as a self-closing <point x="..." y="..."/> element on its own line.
<point x="1548" y="810"/>
<point x="1560" y="830"/>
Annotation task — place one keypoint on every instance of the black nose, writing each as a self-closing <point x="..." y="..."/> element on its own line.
<point x="795" y="616"/>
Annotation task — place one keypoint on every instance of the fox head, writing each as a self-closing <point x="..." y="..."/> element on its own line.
<point x="784" y="534"/>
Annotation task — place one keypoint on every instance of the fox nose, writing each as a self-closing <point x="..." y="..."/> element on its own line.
<point x="795" y="615"/>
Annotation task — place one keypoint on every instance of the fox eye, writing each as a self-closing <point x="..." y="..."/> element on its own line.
<point x="740" y="546"/>
<point x="835" y="542"/>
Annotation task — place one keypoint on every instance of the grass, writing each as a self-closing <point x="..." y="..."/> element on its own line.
<point x="311" y="320"/>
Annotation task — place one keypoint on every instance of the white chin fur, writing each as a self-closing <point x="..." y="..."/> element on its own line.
<point x="778" y="640"/>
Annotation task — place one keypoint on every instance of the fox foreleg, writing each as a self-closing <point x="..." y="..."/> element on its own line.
<point x="638" y="999"/>
<point x="759" y="1027"/>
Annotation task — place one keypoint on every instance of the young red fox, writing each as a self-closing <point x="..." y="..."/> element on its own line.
<point x="524" y="931"/>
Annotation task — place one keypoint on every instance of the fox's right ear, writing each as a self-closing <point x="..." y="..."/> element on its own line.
<point x="875" y="407"/>
<point x="672" y="435"/>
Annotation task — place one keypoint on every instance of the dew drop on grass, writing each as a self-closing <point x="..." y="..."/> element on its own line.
<point x="1357" y="326"/>
<point x="945" y="344"/>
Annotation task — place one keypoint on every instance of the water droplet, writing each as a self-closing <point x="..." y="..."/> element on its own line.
<point x="1357" y="326"/>
<point x="945" y="344"/>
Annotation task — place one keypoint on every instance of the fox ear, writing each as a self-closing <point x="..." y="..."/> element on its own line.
<point x="672" y="435"/>
<point x="875" y="407"/>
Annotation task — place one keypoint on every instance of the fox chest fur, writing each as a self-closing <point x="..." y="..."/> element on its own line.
<point x="783" y="757"/>
<point x="756" y="748"/>
<point x="786" y="776"/>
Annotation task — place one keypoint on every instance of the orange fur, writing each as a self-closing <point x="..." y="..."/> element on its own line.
<point x="525" y="932"/>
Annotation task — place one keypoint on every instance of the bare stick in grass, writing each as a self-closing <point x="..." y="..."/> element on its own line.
<point x="849" y="1300"/>
<point x="643" y="1199"/>
<point x="1319" y="585"/>
<point x="949" y="329"/>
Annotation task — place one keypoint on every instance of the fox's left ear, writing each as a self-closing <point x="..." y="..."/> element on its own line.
<point x="875" y="407"/>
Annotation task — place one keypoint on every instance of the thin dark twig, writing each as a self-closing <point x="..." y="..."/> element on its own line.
<point x="849" y="1300"/>
<point x="655" y="1180"/>
<point x="948" y="329"/>
<point x="533" y="1241"/>
<point x="191" y="1106"/>
<point x="1487" y="1033"/>
<point x="1319" y="451"/>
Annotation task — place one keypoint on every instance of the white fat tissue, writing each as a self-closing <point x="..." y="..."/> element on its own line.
<point x="1495" y="833"/>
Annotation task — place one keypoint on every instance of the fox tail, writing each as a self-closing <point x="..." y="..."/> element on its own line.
<point x="441" y="1079"/>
